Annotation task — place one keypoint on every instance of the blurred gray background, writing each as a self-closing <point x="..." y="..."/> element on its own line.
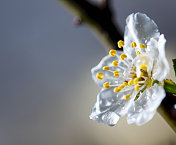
<point x="46" y="90"/>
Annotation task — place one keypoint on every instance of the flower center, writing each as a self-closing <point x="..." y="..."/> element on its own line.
<point x="136" y="78"/>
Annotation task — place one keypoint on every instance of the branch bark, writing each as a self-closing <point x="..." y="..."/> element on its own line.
<point x="167" y="110"/>
<point x="99" y="17"/>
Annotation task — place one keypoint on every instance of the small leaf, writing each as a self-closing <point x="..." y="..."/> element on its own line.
<point x="170" y="86"/>
<point x="174" y="65"/>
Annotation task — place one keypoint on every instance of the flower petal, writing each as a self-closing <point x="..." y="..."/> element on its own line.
<point x="110" y="106"/>
<point x="140" y="29"/>
<point x="143" y="109"/>
<point x="152" y="48"/>
<point x="161" y="68"/>
<point x="108" y="76"/>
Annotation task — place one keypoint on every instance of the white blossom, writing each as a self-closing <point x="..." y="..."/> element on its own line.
<point x="132" y="80"/>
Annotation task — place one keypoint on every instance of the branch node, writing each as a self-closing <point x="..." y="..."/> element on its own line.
<point x="77" y="21"/>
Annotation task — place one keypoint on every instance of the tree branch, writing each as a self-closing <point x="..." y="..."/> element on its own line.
<point x="167" y="109"/>
<point x="98" y="17"/>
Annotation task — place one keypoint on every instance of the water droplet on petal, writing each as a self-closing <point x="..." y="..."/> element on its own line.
<point x="110" y="118"/>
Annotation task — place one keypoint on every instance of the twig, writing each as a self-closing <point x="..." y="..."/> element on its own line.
<point x="167" y="110"/>
<point x="98" y="17"/>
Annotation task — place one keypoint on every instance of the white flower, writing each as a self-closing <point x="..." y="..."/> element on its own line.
<point x="132" y="80"/>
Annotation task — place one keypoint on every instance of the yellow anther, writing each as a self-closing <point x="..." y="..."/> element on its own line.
<point x="115" y="63"/>
<point x="133" y="44"/>
<point x="143" y="66"/>
<point x="121" y="86"/>
<point x="142" y="46"/>
<point x="106" y="68"/>
<point x="123" y="56"/>
<point x="106" y="85"/>
<point x="137" y="53"/>
<point x="127" y="96"/>
<point x="117" y="89"/>
<point x="136" y="87"/>
<point x="125" y="83"/>
<point x="135" y="81"/>
<point x="120" y="43"/>
<point x="116" y="75"/>
<point x="130" y="82"/>
<point x="100" y="76"/>
<point x="116" y="72"/>
<point x="112" y="53"/>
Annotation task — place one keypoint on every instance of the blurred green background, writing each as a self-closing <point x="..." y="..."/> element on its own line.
<point x="46" y="90"/>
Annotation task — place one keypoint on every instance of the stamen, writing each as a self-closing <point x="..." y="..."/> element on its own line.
<point x="133" y="44"/>
<point x="106" y="85"/>
<point x="137" y="53"/>
<point x="127" y="89"/>
<point x="116" y="73"/>
<point x="120" y="43"/>
<point x="142" y="74"/>
<point x="141" y="82"/>
<point x="130" y="82"/>
<point x="106" y="68"/>
<point x="110" y="71"/>
<point x="115" y="63"/>
<point x="143" y="66"/>
<point x="112" y="53"/>
<point x="117" y="89"/>
<point x="100" y="76"/>
<point x="125" y="83"/>
<point x="136" y="87"/>
<point x="122" y="86"/>
<point x="135" y="81"/>
<point x="123" y="56"/>
<point x="126" y="63"/>
<point x="121" y="67"/>
<point x="115" y="85"/>
<point x="132" y="74"/>
<point x="127" y="97"/>
<point x="142" y="46"/>
<point x="129" y="55"/>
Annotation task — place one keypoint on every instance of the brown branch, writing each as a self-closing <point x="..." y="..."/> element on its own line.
<point x="99" y="17"/>
<point x="167" y="110"/>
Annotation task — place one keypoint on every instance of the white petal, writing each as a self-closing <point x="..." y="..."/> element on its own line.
<point x="152" y="48"/>
<point x="161" y="68"/>
<point x="140" y="29"/>
<point x="110" y="106"/>
<point x="143" y="109"/>
<point x="108" y="76"/>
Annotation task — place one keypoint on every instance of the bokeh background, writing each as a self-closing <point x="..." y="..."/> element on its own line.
<point x="46" y="90"/>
